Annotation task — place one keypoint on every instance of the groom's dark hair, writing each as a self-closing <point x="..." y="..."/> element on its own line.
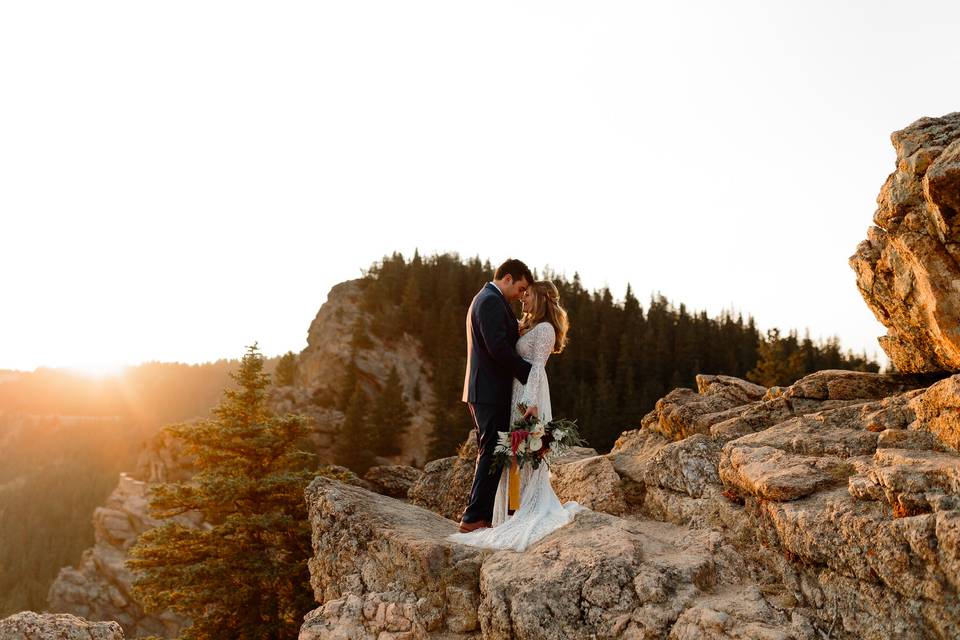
<point x="516" y="269"/>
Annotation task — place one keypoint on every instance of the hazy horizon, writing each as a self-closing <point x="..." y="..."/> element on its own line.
<point x="180" y="180"/>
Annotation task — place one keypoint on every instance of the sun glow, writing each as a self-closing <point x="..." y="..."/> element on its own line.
<point x="99" y="370"/>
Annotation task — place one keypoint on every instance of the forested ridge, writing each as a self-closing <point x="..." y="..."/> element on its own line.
<point x="622" y="355"/>
<point x="53" y="474"/>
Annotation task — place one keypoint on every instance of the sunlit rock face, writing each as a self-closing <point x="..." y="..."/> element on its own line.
<point x="322" y="364"/>
<point x="908" y="268"/>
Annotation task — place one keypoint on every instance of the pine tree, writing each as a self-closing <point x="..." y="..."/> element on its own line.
<point x="360" y="339"/>
<point x="390" y="417"/>
<point x="450" y="428"/>
<point x="605" y="409"/>
<point x="779" y="362"/>
<point x="354" y="441"/>
<point x="286" y="372"/>
<point x="410" y="305"/>
<point x="347" y="386"/>
<point x="246" y="577"/>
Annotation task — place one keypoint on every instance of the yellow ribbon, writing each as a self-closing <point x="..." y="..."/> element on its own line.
<point x="514" y="480"/>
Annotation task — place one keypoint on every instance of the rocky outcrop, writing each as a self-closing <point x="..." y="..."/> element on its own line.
<point x="908" y="268"/>
<point x="383" y="569"/>
<point x="28" y="625"/>
<point x="321" y="366"/>
<point x="383" y="565"/>
<point x="845" y="498"/>
<point x="609" y="577"/>
<point x="589" y="479"/>
<point x="828" y="508"/>
<point x="100" y="586"/>
<point x="937" y="411"/>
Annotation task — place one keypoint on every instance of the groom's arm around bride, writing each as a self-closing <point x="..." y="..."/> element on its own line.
<point x="492" y="364"/>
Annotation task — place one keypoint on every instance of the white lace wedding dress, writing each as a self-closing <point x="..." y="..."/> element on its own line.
<point x="540" y="510"/>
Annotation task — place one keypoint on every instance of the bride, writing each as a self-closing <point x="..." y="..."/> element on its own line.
<point x="543" y="330"/>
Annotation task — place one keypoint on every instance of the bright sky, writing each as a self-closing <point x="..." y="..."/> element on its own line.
<point x="179" y="179"/>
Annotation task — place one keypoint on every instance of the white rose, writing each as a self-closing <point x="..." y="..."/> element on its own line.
<point x="535" y="443"/>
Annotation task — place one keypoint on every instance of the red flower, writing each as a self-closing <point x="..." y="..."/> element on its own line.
<point x="516" y="437"/>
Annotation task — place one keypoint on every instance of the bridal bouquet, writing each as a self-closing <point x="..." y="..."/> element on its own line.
<point x="533" y="441"/>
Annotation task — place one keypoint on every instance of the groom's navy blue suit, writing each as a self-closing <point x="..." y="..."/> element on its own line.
<point x="492" y="364"/>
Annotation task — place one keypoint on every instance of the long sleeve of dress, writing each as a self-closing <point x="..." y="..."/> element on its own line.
<point x="543" y="340"/>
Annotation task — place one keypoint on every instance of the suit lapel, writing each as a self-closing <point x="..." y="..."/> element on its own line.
<point x="500" y="295"/>
<point x="510" y="313"/>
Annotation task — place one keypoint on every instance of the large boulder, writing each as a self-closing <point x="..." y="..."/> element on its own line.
<point x="908" y="268"/>
<point x="773" y="440"/>
<point x="937" y="410"/>
<point x="607" y="577"/>
<point x="591" y="481"/>
<point x="684" y="412"/>
<point x="382" y="565"/>
<point x="840" y="384"/>
<point x="28" y="625"/>
<point x="383" y="569"/>
<point x="884" y="576"/>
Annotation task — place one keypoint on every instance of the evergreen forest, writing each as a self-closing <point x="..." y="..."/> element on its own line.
<point x="623" y="353"/>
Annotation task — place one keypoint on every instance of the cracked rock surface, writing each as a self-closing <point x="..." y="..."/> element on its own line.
<point x="832" y="510"/>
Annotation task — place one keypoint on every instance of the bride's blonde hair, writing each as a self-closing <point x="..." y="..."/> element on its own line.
<point x="545" y="306"/>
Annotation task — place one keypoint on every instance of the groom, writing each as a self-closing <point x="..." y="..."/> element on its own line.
<point x="492" y="364"/>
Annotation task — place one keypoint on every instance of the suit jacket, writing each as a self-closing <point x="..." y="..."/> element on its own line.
<point x="492" y="360"/>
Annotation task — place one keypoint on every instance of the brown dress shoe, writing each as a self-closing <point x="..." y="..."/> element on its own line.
<point x="467" y="527"/>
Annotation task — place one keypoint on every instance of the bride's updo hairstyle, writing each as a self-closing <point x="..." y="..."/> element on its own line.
<point x="545" y="307"/>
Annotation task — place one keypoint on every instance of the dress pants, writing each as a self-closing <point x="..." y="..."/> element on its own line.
<point x="488" y="419"/>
